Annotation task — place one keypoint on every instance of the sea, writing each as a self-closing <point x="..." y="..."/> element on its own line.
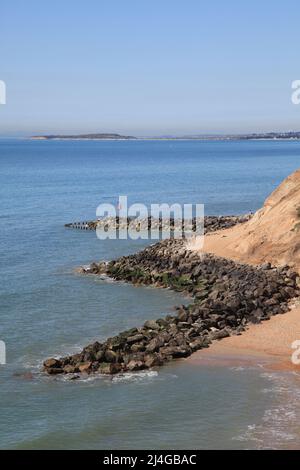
<point x="46" y="309"/>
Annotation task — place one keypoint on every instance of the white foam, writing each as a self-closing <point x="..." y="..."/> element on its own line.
<point x="279" y="426"/>
<point x="134" y="376"/>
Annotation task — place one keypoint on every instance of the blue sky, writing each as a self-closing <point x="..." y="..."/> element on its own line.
<point x="149" y="67"/>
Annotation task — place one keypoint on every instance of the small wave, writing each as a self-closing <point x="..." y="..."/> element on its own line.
<point x="279" y="427"/>
<point x="246" y="368"/>
<point x="78" y="378"/>
<point x="134" y="376"/>
<point x="106" y="278"/>
<point x="137" y="377"/>
<point x="127" y="377"/>
<point x="35" y="364"/>
<point x="32" y="364"/>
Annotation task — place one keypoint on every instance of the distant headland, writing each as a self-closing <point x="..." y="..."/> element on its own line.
<point x="83" y="137"/>
<point x="113" y="136"/>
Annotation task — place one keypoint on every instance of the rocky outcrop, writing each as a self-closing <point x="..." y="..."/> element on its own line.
<point x="226" y="297"/>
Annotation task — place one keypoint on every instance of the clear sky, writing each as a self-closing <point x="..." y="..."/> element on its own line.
<point x="149" y="67"/>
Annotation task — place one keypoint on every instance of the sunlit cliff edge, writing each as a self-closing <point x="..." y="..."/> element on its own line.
<point x="272" y="235"/>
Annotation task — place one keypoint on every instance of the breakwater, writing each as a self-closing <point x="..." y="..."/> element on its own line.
<point x="227" y="296"/>
<point x="211" y="223"/>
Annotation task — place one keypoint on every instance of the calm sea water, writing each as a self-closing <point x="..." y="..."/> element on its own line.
<point x="47" y="310"/>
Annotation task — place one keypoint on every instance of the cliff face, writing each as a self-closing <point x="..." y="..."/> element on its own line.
<point x="273" y="234"/>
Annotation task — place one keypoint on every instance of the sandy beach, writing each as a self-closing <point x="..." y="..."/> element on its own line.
<point x="270" y="236"/>
<point x="268" y="343"/>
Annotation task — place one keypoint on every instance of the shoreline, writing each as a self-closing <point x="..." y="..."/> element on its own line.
<point x="269" y="341"/>
<point x="158" y="139"/>
<point x="245" y="274"/>
<point x="227" y="296"/>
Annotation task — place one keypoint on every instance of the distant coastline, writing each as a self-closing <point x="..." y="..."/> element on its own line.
<point x="230" y="137"/>
<point x="83" y="137"/>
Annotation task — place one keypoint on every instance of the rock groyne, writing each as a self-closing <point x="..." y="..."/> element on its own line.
<point x="226" y="297"/>
<point x="211" y="223"/>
